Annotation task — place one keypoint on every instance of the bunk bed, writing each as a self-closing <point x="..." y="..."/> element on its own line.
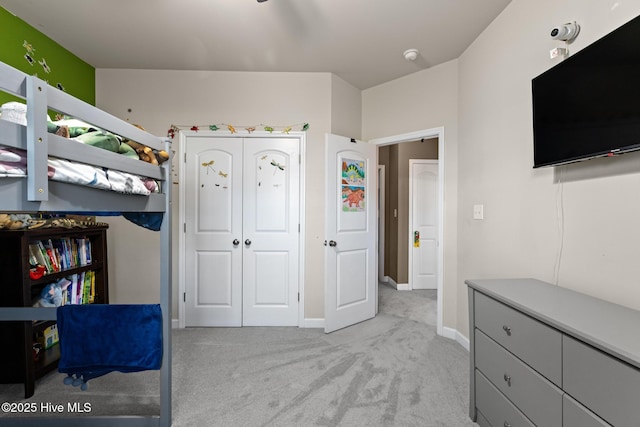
<point x="36" y="193"/>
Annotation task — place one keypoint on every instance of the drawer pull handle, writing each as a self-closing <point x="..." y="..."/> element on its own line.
<point x="507" y="329"/>
<point x="507" y="378"/>
<point x="507" y="424"/>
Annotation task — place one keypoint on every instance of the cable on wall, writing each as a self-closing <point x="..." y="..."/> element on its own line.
<point x="560" y="217"/>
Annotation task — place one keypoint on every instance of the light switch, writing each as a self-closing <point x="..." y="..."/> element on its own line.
<point x="478" y="211"/>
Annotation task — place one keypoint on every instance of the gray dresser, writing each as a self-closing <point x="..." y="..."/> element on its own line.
<point x="542" y="355"/>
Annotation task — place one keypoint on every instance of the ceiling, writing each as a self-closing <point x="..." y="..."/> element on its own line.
<point x="361" y="41"/>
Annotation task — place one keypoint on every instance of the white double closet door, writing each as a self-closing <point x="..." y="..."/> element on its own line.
<point x="241" y="231"/>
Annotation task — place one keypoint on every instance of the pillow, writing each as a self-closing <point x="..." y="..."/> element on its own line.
<point x="6" y="155"/>
<point x="101" y="139"/>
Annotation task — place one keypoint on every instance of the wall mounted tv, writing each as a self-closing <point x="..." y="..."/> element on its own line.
<point x="589" y="104"/>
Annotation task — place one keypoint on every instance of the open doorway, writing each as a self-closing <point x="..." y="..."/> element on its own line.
<point x="395" y="234"/>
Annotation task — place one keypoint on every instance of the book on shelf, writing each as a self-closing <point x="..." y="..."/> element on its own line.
<point x="35" y="256"/>
<point x="92" y="288"/>
<point x="82" y="288"/>
<point x="53" y="257"/>
<point x="60" y="254"/>
<point x="46" y="261"/>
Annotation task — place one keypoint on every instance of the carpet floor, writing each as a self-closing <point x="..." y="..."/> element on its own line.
<point x="392" y="370"/>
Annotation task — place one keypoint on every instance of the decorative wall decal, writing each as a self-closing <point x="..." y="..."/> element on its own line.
<point x="234" y="129"/>
<point x="273" y="180"/>
<point x="45" y="67"/>
<point x="30" y="49"/>
<point x="353" y="185"/>
<point x="276" y="166"/>
<point x="218" y="179"/>
<point x="209" y="165"/>
<point x="25" y="48"/>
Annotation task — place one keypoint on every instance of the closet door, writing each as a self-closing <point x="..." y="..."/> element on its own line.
<point x="241" y="231"/>
<point x="270" y="231"/>
<point x="213" y="231"/>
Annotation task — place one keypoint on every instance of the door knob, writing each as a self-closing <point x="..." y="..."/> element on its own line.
<point x="247" y="242"/>
<point x="333" y="243"/>
<point x="236" y="242"/>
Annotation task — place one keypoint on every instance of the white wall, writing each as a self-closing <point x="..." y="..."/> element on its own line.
<point x="424" y="100"/>
<point x="483" y="101"/>
<point x="158" y="99"/>
<point x="346" y="109"/>
<point x="599" y="200"/>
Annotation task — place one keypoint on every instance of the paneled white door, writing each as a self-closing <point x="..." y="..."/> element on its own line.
<point x="424" y="224"/>
<point x="213" y="222"/>
<point x="241" y="231"/>
<point x="350" y="254"/>
<point x="270" y="232"/>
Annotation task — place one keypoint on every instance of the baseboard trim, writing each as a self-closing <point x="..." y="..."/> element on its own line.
<point x="450" y="333"/>
<point x="312" y="323"/>
<point x="306" y="323"/>
<point x="402" y="286"/>
<point x="453" y="334"/>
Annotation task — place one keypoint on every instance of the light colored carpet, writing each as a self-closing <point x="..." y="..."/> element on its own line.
<point x="392" y="370"/>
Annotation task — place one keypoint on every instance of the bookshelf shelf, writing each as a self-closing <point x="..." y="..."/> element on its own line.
<point x="19" y="290"/>
<point x="52" y="277"/>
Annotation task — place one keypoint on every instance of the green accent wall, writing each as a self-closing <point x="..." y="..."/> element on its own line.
<point x="19" y="40"/>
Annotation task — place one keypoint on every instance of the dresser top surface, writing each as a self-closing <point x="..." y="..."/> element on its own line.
<point x="610" y="327"/>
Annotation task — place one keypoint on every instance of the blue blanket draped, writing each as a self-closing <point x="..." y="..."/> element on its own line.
<point x="96" y="339"/>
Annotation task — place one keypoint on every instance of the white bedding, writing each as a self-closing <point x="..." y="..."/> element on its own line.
<point x="13" y="163"/>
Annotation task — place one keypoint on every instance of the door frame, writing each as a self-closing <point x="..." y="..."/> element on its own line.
<point x="381" y="219"/>
<point x="426" y="134"/>
<point x="179" y="228"/>
<point x="411" y="228"/>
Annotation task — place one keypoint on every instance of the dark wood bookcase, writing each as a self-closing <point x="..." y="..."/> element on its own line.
<point x="17" y="289"/>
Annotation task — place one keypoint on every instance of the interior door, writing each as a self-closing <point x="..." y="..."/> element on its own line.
<point x="213" y="231"/>
<point x="270" y="231"/>
<point x="424" y="224"/>
<point x="350" y="253"/>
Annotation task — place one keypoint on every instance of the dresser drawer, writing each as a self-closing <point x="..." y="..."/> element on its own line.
<point x="494" y="408"/>
<point x="576" y="415"/>
<point x="534" y="395"/>
<point x="537" y="344"/>
<point x="607" y="386"/>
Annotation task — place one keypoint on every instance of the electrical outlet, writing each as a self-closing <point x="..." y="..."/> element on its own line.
<point x="478" y="211"/>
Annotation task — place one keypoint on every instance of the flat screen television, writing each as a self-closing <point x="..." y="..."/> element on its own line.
<point x="588" y="105"/>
